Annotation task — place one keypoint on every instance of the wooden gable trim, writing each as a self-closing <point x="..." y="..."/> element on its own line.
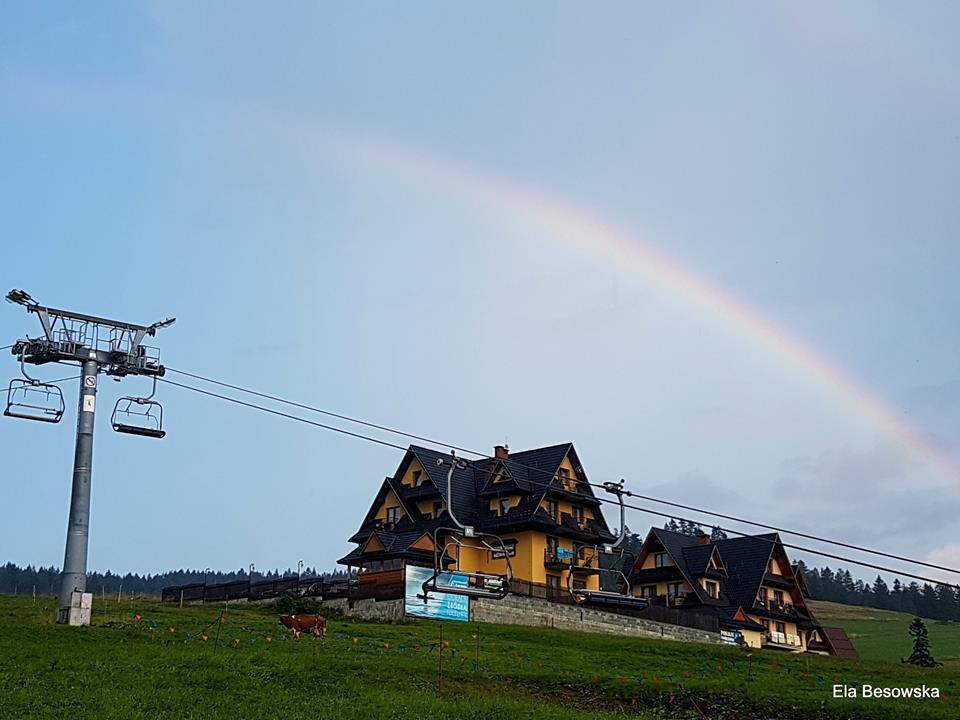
<point x="424" y="542"/>
<point x="643" y="552"/>
<point x="717" y="558"/>
<point x="378" y="499"/>
<point x="373" y="544"/>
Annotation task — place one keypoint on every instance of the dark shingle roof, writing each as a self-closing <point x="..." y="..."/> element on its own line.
<point x="746" y="560"/>
<point x="697" y="558"/>
<point x="691" y="559"/>
<point x="464" y="502"/>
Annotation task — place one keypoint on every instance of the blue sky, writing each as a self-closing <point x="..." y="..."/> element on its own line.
<point x="163" y="159"/>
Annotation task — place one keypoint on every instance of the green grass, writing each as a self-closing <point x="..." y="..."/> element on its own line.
<point x="882" y="634"/>
<point x="118" y="669"/>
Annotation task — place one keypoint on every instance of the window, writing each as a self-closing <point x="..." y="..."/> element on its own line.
<point x="648" y="591"/>
<point x="578" y="515"/>
<point x="660" y="560"/>
<point x="437" y="508"/>
<point x="511" y="547"/>
<point x="504" y="506"/>
<point x="393" y="515"/>
<point x="552" y="509"/>
<point x="766" y="625"/>
<point x="781" y="628"/>
<point x="552" y="544"/>
<point x="762" y="596"/>
<point x="778" y="597"/>
<point x="579" y="584"/>
<point x="553" y="586"/>
<point x="417" y="478"/>
<point x="713" y="590"/>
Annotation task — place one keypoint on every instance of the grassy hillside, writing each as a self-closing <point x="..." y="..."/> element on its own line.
<point x="160" y="667"/>
<point x="882" y="634"/>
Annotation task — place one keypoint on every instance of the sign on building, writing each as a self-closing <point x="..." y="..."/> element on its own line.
<point x="439" y="606"/>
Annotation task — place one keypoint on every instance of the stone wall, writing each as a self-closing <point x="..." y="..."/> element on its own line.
<point x="382" y="610"/>
<point x="518" y="610"/>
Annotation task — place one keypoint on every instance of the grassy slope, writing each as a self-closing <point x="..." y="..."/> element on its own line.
<point x="882" y="635"/>
<point x="120" y="670"/>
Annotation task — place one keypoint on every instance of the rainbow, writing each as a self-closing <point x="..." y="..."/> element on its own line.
<point x="594" y="234"/>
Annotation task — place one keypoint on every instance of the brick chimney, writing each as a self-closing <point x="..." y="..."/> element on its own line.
<point x="703" y="539"/>
<point x="501" y="452"/>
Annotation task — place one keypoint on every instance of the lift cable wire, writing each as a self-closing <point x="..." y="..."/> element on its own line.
<point x="639" y="508"/>
<point x="328" y="413"/>
<point x="647" y="498"/>
<point x="283" y="414"/>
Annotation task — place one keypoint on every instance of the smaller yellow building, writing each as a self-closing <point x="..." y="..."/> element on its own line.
<point x="746" y="582"/>
<point x="538" y="502"/>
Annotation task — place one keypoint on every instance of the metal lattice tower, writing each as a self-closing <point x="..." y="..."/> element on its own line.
<point x="98" y="346"/>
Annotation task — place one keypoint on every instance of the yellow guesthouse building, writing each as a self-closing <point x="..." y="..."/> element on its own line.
<point x="747" y="583"/>
<point x="538" y="502"/>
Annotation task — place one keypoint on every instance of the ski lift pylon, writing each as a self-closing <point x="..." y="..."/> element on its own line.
<point x="31" y="399"/>
<point x="457" y="582"/>
<point x="141" y="416"/>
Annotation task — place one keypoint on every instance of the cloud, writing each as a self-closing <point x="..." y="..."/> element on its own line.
<point x="947" y="556"/>
<point x="875" y="497"/>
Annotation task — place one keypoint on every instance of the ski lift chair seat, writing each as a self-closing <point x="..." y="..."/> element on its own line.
<point x="138" y="430"/>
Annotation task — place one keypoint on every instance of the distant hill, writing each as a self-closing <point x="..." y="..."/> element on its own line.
<point x="882" y="634"/>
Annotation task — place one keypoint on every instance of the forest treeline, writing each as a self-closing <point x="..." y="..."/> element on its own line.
<point x="44" y="580"/>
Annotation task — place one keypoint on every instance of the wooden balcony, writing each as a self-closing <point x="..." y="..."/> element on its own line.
<point x="558" y="558"/>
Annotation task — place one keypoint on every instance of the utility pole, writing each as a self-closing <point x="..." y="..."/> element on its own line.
<point x="99" y="346"/>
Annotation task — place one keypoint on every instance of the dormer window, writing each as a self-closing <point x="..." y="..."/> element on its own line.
<point x="504" y="506"/>
<point x="713" y="590"/>
<point x="393" y="515"/>
<point x="437" y="508"/>
<point x="417" y="478"/>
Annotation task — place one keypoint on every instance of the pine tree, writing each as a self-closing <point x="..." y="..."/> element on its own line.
<point x="921" y="645"/>
<point x="716" y="533"/>
<point x="881" y="593"/>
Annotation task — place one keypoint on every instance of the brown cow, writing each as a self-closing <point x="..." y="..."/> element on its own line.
<point x="315" y="624"/>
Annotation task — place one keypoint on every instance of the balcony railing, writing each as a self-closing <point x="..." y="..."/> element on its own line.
<point x="782" y="608"/>
<point x="780" y="638"/>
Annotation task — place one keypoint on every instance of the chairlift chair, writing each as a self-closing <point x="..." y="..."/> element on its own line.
<point x="141" y="416"/>
<point x="31" y="399"/>
<point x="609" y="598"/>
<point x="34" y="400"/>
<point x="458" y="582"/>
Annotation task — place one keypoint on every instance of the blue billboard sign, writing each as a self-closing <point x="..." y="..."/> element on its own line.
<point x="438" y="605"/>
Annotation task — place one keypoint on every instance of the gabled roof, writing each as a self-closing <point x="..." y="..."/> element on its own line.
<point x="690" y="558"/>
<point x="383" y="544"/>
<point x="697" y="558"/>
<point x="464" y="501"/>
<point x="386" y="487"/>
<point x="746" y="559"/>
<point x="839" y="643"/>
